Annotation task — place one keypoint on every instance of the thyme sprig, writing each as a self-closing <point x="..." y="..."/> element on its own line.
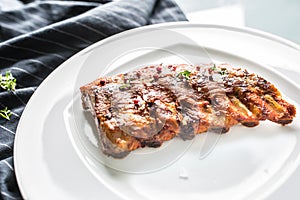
<point x="221" y="71"/>
<point x="5" y="113"/>
<point x="8" y="82"/>
<point x="185" y="74"/>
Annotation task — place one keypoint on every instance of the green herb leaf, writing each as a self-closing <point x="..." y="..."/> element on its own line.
<point x="8" y="82"/>
<point x="223" y="71"/>
<point x="186" y="74"/>
<point x="124" y="87"/>
<point x="5" y="113"/>
<point x="214" y="67"/>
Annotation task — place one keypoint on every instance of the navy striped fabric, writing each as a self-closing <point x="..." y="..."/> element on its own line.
<point x="36" y="36"/>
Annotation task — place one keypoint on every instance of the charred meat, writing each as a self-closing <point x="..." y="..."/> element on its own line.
<point x="154" y="104"/>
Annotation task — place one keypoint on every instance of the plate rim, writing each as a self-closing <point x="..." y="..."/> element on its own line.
<point x="169" y="25"/>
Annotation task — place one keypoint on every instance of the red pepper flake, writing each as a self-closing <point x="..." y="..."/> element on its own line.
<point x="170" y="66"/>
<point x="158" y="69"/>
<point x="174" y="68"/>
<point x="102" y="82"/>
<point x="136" y="102"/>
<point x="204" y="103"/>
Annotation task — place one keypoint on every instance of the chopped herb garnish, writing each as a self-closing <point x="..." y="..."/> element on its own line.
<point x="223" y="71"/>
<point x="186" y="74"/>
<point x="5" y="113"/>
<point x="214" y="67"/>
<point x="124" y="87"/>
<point x="8" y="82"/>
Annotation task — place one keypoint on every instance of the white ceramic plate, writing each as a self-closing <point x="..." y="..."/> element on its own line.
<point x="254" y="162"/>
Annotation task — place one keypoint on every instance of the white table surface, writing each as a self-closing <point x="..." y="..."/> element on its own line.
<point x="280" y="17"/>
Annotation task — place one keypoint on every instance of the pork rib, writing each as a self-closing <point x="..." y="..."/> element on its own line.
<point x="154" y="104"/>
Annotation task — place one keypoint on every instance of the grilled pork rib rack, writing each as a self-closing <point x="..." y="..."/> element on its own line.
<point x="154" y="104"/>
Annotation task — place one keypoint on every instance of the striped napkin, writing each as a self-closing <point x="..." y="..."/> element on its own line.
<point x="36" y="36"/>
